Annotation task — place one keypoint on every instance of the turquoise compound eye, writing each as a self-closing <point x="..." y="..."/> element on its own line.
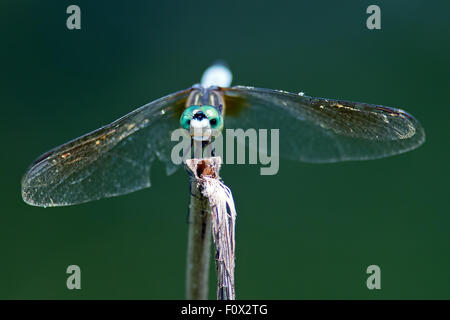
<point x="186" y="117"/>
<point x="215" y="119"/>
<point x="185" y="123"/>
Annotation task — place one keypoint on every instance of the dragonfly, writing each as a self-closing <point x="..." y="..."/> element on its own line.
<point x="116" y="159"/>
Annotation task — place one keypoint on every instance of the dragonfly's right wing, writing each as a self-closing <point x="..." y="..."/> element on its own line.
<point x="107" y="162"/>
<point x="323" y="130"/>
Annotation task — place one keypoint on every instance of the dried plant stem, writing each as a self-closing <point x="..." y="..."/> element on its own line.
<point x="199" y="245"/>
<point x="223" y="221"/>
<point x="211" y="211"/>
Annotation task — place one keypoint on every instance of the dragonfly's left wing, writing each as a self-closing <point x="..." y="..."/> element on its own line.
<point x="107" y="162"/>
<point x="323" y="130"/>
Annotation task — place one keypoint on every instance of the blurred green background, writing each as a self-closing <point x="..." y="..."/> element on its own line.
<point x="308" y="232"/>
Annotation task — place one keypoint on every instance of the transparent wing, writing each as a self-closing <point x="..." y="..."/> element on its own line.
<point x="107" y="162"/>
<point x="323" y="130"/>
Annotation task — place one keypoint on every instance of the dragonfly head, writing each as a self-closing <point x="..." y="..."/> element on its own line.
<point x="202" y="122"/>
